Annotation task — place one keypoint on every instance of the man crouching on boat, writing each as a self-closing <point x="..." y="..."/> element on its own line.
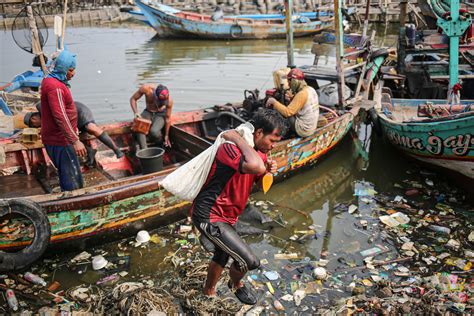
<point x="236" y="167"/>
<point x="59" y="131"/>
<point x="158" y="110"/>
<point x="303" y="111"/>
<point x="85" y="123"/>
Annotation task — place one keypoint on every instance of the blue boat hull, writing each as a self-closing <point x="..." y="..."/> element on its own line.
<point x="169" y="22"/>
<point x="446" y="142"/>
<point x="139" y="16"/>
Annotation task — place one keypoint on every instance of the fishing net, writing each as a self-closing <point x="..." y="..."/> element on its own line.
<point x="187" y="287"/>
<point x="21" y="31"/>
<point x="133" y="298"/>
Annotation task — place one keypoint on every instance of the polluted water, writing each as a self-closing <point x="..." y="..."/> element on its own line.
<point x="407" y="248"/>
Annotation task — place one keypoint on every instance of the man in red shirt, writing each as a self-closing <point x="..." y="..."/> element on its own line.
<point x="235" y="169"/>
<point x="59" y="131"/>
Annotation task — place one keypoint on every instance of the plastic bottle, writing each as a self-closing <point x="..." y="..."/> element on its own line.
<point x="440" y="229"/>
<point x="11" y="299"/>
<point x="33" y="278"/>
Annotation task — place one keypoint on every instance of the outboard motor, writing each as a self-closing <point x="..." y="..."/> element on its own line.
<point x="251" y="102"/>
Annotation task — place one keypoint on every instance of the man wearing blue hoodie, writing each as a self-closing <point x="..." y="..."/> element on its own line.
<point x="59" y="123"/>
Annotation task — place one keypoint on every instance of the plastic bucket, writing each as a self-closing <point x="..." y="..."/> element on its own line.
<point x="151" y="159"/>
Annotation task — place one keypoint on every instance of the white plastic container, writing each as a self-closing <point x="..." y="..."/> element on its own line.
<point x="143" y="237"/>
<point x="99" y="262"/>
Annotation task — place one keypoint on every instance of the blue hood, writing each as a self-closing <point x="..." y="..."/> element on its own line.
<point x="63" y="63"/>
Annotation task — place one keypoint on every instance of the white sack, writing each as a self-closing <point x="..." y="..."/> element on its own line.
<point x="186" y="181"/>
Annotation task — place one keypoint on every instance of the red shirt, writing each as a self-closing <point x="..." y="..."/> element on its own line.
<point x="226" y="191"/>
<point x="58" y="114"/>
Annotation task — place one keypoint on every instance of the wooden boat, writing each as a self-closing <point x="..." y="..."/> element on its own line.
<point x="136" y="15"/>
<point x="438" y="132"/>
<point x="424" y="68"/>
<point x="170" y="22"/>
<point x="423" y="55"/>
<point x="117" y="197"/>
<point x="446" y="141"/>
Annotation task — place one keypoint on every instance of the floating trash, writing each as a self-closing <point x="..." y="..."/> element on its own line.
<point x="99" y="262"/>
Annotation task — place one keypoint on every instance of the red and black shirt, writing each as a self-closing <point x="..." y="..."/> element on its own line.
<point x="226" y="191"/>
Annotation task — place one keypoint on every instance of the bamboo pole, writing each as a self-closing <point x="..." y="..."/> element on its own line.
<point x="289" y="32"/>
<point x="366" y="19"/>
<point x="64" y="24"/>
<point x="35" y="43"/>
<point x="339" y="51"/>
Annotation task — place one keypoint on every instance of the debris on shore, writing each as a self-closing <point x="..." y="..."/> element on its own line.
<point x="409" y="251"/>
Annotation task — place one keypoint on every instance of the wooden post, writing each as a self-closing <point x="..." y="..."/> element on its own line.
<point x="64" y="24"/>
<point x="401" y="38"/>
<point x="339" y="51"/>
<point x="366" y="20"/>
<point x="35" y="43"/>
<point x="403" y="12"/>
<point x="289" y="32"/>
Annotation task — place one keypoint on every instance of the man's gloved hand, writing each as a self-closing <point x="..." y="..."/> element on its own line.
<point x="137" y="115"/>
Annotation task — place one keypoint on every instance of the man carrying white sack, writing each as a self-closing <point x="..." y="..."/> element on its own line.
<point x="236" y="167"/>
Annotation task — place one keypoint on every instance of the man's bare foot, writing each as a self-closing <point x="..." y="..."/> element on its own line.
<point x="209" y="292"/>
<point x="234" y="285"/>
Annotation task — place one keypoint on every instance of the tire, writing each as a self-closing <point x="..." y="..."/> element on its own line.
<point x="374" y="119"/>
<point x="10" y="261"/>
<point x="236" y="31"/>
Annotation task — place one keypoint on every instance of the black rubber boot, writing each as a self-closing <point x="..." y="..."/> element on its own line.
<point x="105" y="138"/>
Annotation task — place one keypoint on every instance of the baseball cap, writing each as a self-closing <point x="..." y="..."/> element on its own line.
<point x="296" y="73"/>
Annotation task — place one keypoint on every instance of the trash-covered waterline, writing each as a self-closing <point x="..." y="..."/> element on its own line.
<point x="407" y="251"/>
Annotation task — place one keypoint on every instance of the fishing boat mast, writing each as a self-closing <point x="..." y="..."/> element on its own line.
<point x="454" y="25"/>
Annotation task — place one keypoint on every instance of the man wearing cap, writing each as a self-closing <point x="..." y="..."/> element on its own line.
<point x="85" y="123"/>
<point x="158" y="111"/>
<point x="303" y="111"/>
